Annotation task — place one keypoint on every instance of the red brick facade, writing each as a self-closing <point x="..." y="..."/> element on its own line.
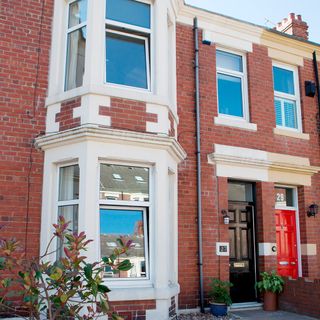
<point x="214" y="190"/>
<point x="25" y="29"/>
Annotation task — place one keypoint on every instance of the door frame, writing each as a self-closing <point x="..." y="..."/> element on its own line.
<point x="254" y="227"/>
<point x="296" y="209"/>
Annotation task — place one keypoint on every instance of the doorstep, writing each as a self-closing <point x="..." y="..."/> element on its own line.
<point x="246" y="306"/>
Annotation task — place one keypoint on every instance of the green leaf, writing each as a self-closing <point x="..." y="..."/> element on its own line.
<point x="104" y="305"/>
<point x="88" y="271"/>
<point x="125" y="265"/>
<point x="64" y="298"/>
<point x="102" y="288"/>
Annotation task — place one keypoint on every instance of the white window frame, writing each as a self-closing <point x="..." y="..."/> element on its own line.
<point x="131" y="205"/>
<point x="244" y="85"/>
<point x="296" y="209"/>
<point x="69" y="31"/>
<point x="130" y="30"/>
<point x="64" y="203"/>
<point x="284" y="96"/>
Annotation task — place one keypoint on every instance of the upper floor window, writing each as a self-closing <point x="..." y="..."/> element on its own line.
<point x="76" y="44"/>
<point x="286" y="97"/>
<point x="128" y="31"/>
<point x="124" y="212"/>
<point x="232" y="84"/>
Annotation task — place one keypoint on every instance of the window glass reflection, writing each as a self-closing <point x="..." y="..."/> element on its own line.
<point x="77" y="13"/>
<point x="129" y="11"/>
<point x="124" y="183"/>
<point x="69" y="183"/>
<point x="129" y="224"/>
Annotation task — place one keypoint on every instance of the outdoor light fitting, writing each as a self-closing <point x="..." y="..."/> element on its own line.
<point x="226" y="218"/>
<point x="313" y="210"/>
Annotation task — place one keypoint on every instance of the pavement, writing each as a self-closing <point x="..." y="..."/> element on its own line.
<point x="268" y="315"/>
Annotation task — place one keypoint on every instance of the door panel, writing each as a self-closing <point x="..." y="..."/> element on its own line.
<point x="287" y="243"/>
<point x="242" y="262"/>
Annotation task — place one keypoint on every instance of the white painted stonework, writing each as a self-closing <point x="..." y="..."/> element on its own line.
<point x="309" y="249"/>
<point x="51" y="124"/>
<point x="265" y="249"/>
<point x="162" y="126"/>
<point x="257" y="165"/>
<point x="89" y="110"/>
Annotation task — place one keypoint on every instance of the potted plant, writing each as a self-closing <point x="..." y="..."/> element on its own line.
<point x="271" y="284"/>
<point x="219" y="297"/>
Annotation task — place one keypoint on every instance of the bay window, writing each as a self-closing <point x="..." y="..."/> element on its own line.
<point x="124" y="213"/>
<point x="76" y="44"/>
<point x="286" y="97"/>
<point x="128" y="30"/>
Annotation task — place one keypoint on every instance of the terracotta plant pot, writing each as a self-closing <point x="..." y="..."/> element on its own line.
<point x="270" y="302"/>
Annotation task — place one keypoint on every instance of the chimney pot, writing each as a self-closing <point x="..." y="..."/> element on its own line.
<point x="294" y="25"/>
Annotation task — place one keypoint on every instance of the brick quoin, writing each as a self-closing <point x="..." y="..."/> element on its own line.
<point x="214" y="190"/>
<point x="25" y="28"/>
<point x="128" y="114"/>
<point x="65" y="116"/>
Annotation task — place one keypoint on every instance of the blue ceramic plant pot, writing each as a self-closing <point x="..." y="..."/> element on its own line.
<point x="218" y="309"/>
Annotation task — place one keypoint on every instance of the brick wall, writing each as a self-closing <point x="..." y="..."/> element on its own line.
<point x="301" y="296"/>
<point x="214" y="192"/>
<point x="133" y="310"/>
<point x="25" y="28"/>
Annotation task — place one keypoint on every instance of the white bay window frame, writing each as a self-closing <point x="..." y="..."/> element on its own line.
<point x="147" y="207"/>
<point x="68" y="32"/>
<point x="130" y="30"/>
<point x="282" y="97"/>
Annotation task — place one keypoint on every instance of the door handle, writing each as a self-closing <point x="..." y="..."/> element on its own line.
<point x="293" y="263"/>
<point x="283" y="263"/>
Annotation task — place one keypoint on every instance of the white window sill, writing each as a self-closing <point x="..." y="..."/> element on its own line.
<point x="240" y="124"/>
<point x="148" y="293"/>
<point x="291" y="134"/>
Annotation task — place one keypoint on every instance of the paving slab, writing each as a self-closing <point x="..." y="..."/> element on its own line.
<point x="268" y="315"/>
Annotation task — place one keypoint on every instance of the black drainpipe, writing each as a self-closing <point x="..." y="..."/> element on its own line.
<point x="199" y="202"/>
<point x="316" y="71"/>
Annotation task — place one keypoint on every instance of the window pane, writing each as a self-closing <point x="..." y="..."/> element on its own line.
<point x="284" y="197"/>
<point x="283" y="80"/>
<point x="277" y="107"/>
<point x="230" y="95"/>
<point x="126" y="61"/>
<point x="240" y="191"/>
<point x="77" y="13"/>
<point x="69" y="183"/>
<point x="229" y="61"/>
<point x="76" y="50"/>
<point x="70" y="213"/>
<point x="129" y="224"/>
<point x="290" y="114"/>
<point x="124" y="183"/>
<point x="129" y="11"/>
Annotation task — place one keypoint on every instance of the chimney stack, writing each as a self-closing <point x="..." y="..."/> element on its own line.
<point x="294" y="25"/>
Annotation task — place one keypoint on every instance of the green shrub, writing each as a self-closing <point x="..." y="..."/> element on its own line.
<point x="68" y="288"/>
<point x="270" y="282"/>
<point x="219" y="291"/>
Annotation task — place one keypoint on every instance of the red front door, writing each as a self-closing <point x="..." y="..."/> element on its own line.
<point x="287" y="243"/>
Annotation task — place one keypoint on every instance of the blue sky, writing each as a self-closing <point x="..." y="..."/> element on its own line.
<point x="272" y="10"/>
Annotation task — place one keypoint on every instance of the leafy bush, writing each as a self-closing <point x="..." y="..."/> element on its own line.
<point x="270" y="282"/>
<point x="69" y="288"/>
<point x="219" y="291"/>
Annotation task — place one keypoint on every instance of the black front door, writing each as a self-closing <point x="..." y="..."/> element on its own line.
<point x="242" y="252"/>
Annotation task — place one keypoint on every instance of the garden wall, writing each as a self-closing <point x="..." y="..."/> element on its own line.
<point x="301" y="296"/>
